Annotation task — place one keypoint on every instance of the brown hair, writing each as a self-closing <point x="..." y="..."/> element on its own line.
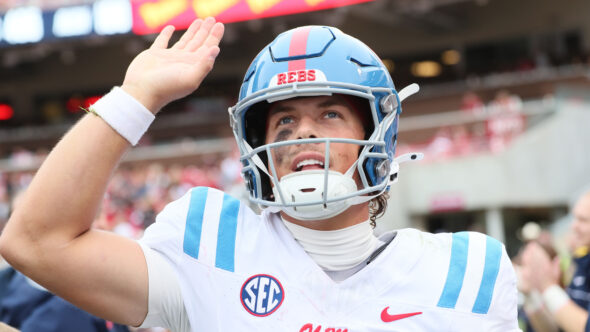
<point x="377" y="207"/>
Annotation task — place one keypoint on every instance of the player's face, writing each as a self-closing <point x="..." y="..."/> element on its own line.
<point x="581" y="224"/>
<point x="313" y="117"/>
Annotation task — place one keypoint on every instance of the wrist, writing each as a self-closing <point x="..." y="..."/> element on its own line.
<point x="126" y="115"/>
<point x="533" y="302"/>
<point x="543" y="286"/>
<point x="144" y="99"/>
<point x="554" y="298"/>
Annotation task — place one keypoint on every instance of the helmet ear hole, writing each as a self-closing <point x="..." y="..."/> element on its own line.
<point x="255" y="124"/>
<point x="249" y="182"/>
<point x="251" y="185"/>
<point x="267" y="193"/>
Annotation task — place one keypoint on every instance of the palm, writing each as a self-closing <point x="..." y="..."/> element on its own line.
<point x="160" y="74"/>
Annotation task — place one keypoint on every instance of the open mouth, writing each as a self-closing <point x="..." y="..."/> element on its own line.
<point x="309" y="164"/>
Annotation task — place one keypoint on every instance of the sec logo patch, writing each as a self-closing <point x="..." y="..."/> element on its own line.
<point x="261" y="295"/>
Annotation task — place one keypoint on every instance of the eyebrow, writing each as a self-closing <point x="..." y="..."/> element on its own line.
<point x="324" y="104"/>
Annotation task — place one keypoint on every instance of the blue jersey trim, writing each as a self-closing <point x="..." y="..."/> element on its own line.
<point x="194" y="221"/>
<point x="490" y="273"/>
<point x="457" y="266"/>
<point x="226" y="235"/>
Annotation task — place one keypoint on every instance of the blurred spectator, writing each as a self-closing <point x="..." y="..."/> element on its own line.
<point x="569" y="310"/>
<point x="532" y="232"/>
<point x="30" y="308"/>
<point x="472" y="104"/>
<point x="441" y="145"/>
<point x="22" y="158"/>
<point x="462" y="144"/>
<point x="506" y="120"/>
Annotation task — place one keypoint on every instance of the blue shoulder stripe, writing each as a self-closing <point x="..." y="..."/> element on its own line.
<point x="226" y="236"/>
<point x="457" y="266"/>
<point x="194" y="221"/>
<point x="490" y="273"/>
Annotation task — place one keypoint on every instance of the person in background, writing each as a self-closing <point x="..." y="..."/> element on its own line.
<point x="567" y="308"/>
<point x="532" y="232"/>
<point x="471" y="103"/>
<point x="27" y="306"/>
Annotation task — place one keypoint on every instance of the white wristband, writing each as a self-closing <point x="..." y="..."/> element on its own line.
<point x="554" y="298"/>
<point x="533" y="302"/>
<point x="124" y="114"/>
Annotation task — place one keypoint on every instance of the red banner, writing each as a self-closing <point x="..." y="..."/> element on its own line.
<point x="150" y="16"/>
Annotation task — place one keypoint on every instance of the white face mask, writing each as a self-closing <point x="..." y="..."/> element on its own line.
<point x="302" y="195"/>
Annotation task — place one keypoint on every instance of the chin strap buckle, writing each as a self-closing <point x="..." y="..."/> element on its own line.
<point x="412" y="156"/>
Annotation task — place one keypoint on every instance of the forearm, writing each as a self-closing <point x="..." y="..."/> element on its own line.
<point x="571" y="318"/>
<point x="567" y="314"/>
<point x="64" y="196"/>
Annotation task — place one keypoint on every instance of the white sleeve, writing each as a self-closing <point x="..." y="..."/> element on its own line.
<point x="505" y="302"/>
<point x="166" y="307"/>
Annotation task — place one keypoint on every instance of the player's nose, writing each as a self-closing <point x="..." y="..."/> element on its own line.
<point x="307" y="128"/>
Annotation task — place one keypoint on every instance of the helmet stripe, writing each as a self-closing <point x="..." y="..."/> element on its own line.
<point x="297" y="47"/>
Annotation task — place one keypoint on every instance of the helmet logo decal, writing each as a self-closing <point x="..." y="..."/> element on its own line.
<point x="261" y="295"/>
<point x="297" y="76"/>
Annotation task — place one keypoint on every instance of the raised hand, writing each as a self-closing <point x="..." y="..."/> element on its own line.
<point x="538" y="270"/>
<point x="160" y="74"/>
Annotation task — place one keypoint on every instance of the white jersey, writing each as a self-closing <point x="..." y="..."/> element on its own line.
<point x="239" y="271"/>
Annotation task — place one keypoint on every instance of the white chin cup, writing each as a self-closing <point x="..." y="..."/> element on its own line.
<point x="308" y="187"/>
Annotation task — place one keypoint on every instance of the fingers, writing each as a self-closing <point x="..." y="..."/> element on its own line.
<point x="210" y="47"/>
<point x="163" y="38"/>
<point x="213" y="52"/>
<point x="215" y="35"/>
<point x="201" y="32"/>
<point x="189" y="34"/>
<point x="201" y="35"/>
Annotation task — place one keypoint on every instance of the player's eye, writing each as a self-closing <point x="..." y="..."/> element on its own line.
<point x="332" y="115"/>
<point x="285" y="120"/>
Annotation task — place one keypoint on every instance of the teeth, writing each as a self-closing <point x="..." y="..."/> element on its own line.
<point x="308" y="162"/>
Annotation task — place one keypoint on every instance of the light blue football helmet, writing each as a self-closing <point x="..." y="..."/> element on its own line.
<point x="316" y="61"/>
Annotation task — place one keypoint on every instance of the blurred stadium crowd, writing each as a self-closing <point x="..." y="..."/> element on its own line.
<point x="136" y="192"/>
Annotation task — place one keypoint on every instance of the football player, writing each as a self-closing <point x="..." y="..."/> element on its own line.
<point x="316" y="125"/>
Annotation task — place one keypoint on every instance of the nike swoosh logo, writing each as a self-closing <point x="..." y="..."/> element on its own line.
<point x="387" y="318"/>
